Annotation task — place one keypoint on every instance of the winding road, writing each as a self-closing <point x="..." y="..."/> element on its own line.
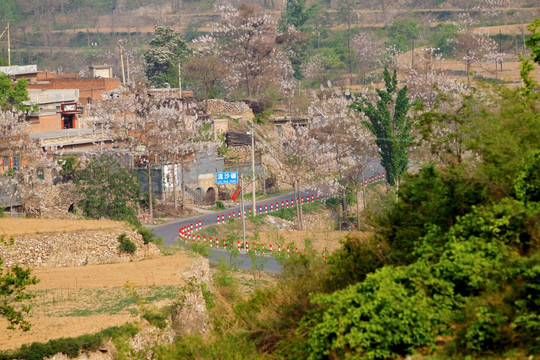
<point x="170" y="232"/>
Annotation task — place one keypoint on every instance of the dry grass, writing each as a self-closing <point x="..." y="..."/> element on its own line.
<point x="22" y="226"/>
<point x="82" y="300"/>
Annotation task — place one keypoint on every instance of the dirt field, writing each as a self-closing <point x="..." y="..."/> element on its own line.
<point x="21" y="226"/>
<point x="320" y="240"/>
<point x="84" y="300"/>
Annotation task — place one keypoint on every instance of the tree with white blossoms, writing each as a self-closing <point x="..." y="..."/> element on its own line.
<point x="297" y="159"/>
<point x="136" y="119"/>
<point x="15" y="142"/>
<point x="245" y="39"/>
<point x="182" y="135"/>
<point x="350" y="144"/>
<point x="472" y="46"/>
<point x="428" y="81"/>
<point x="367" y="53"/>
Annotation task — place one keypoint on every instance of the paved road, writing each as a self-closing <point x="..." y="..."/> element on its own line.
<point x="169" y="232"/>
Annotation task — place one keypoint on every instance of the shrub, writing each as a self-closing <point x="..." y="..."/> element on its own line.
<point x="285" y="214"/>
<point x="68" y="346"/>
<point x="125" y="244"/>
<point x="219" y="205"/>
<point x="156" y="318"/>
<point x="200" y="249"/>
<point x="148" y="236"/>
<point x="386" y="316"/>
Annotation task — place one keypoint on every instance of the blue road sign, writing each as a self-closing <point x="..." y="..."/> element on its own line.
<point x="229" y="177"/>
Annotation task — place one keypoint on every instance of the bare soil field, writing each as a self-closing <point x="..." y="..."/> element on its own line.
<point x="83" y="300"/>
<point x="23" y="226"/>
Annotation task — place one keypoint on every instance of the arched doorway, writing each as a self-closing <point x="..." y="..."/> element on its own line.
<point x="210" y="196"/>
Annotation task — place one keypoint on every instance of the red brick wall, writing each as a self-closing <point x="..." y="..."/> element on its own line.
<point x="88" y="87"/>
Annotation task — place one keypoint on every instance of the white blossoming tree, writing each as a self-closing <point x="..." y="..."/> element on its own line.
<point x="245" y="39"/>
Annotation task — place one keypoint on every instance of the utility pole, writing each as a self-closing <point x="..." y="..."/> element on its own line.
<point x="122" y="62"/>
<point x="9" y="45"/>
<point x="127" y="69"/>
<point x="242" y="213"/>
<point x="253" y="169"/>
<point x="179" y="80"/>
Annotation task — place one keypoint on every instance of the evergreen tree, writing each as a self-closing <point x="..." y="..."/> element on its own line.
<point x="389" y="122"/>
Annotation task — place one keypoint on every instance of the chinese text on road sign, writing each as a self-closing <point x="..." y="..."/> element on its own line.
<point x="230" y="177"/>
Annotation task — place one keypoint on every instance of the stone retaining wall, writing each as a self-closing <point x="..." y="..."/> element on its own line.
<point x="73" y="249"/>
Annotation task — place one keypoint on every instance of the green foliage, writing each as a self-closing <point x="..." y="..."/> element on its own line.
<point x="533" y="42"/>
<point x="219" y="205"/>
<point x="68" y="346"/>
<point x="109" y="190"/>
<point x="527" y="180"/>
<point x="355" y="259"/>
<point x="431" y="197"/>
<point x="13" y="96"/>
<point x="387" y="315"/>
<point x="484" y="330"/>
<point x="296" y="14"/>
<point x="148" y="236"/>
<point x="166" y="50"/>
<point x="505" y="136"/>
<point x="391" y="127"/>
<point x="70" y="166"/>
<point x="285" y="214"/>
<point x="155" y="318"/>
<point x="198" y="248"/>
<point x="13" y="283"/>
<point x="442" y="37"/>
<point x="401" y="33"/>
<point x="228" y="346"/>
<point x="125" y="245"/>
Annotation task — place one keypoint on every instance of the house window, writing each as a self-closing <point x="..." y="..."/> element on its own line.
<point x="16" y="163"/>
<point x="40" y="173"/>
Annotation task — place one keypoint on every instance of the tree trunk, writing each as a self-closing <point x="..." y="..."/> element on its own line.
<point x="150" y="207"/>
<point x="175" y="199"/>
<point x="299" y="213"/>
<point x="344" y="203"/>
<point x="183" y="184"/>
<point x="357" y="207"/>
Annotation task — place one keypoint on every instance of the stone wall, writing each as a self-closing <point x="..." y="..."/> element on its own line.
<point x="233" y="109"/>
<point x="75" y="248"/>
<point x="51" y="202"/>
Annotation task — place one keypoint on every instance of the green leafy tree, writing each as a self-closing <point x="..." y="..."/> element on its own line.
<point x="296" y="14"/>
<point x="533" y="42"/>
<point x="401" y="34"/>
<point x="442" y="37"/>
<point x="13" y="283"/>
<point x="13" y="95"/>
<point x="167" y="49"/>
<point x="389" y="122"/>
<point x="109" y="190"/>
<point x="387" y="315"/>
